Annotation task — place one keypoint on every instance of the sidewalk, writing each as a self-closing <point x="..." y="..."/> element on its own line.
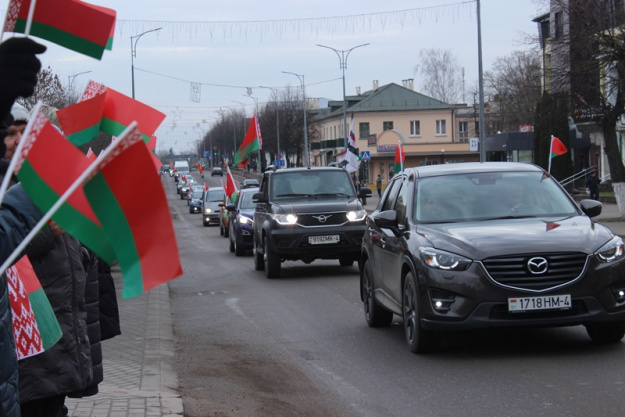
<point x="139" y="375"/>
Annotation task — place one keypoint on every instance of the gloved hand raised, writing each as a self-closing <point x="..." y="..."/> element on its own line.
<point x="19" y="66"/>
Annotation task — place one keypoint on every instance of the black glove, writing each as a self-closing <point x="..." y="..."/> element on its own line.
<point x="18" y="70"/>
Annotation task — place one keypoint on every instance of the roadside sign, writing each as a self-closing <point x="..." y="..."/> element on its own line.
<point x="365" y="155"/>
<point x="474" y="144"/>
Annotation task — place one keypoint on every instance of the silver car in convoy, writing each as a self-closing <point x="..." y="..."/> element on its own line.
<point x="211" y="205"/>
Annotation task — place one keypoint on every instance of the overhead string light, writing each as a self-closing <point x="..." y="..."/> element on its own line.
<point x="262" y="29"/>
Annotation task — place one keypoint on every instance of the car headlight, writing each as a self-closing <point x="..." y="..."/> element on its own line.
<point x="438" y="259"/>
<point x="611" y="251"/>
<point x="356" y="216"/>
<point x="208" y="211"/>
<point x="245" y="220"/>
<point x="285" y="218"/>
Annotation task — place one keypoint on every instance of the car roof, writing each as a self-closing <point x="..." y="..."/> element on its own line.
<point x="470" y="167"/>
<point x="303" y="169"/>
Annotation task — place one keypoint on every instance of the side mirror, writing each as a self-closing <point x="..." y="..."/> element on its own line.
<point x="259" y="198"/>
<point x="591" y="208"/>
<point x="387" y="220"/>
<point x="364" y="192"/>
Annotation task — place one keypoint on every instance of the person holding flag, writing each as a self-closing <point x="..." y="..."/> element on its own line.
<point x="19" y="67"/>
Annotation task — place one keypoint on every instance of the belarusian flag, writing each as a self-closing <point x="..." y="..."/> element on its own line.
<point x="81" y="121"/>
<point x="45" y="182"/>
<point x="400" y="157"/>
<point x="231" y="186"/>
<point x="74" y="24"/>
<point x="556" y="148"/>
<point x="35" y="327"/>
<point x="91" y="155"/>
<point x="144" y="240"/>
<point x="103" y="109"/>
<point x="152" y="147"/>
<point x="252" y="142"/>
<point x="121" y="110"/>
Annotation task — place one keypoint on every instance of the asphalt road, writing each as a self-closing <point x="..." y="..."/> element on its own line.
<point x="299" y="346"/>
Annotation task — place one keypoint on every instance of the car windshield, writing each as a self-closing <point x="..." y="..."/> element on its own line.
<point x="245" y="202"/>
<point x="312" y="183"/>
<point x="214" y="196"/>
<point x="197" y="194"/>
<point x="483" y="196"/>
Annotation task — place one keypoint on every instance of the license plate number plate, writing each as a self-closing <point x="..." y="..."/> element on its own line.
<point x="324" y="240"/>
<point x="544" y="302"/>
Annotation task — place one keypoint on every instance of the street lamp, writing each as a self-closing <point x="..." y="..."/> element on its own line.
<point x="275" y="91"/>
<point x="133" y="54"/>
<point x="343" y="65"/>
<point x="301" y="80"/>
<point x="70" y="79"/>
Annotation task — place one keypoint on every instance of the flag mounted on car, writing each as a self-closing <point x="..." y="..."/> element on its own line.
<point x="400" y="157"/>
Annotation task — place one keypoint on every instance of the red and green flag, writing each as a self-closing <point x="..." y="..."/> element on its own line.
<point x="35" y="327"/>
<point x="556" y="148"/>
<point x="102" y="109"/>
<point x="148" y="255"/>
<point x="81" y="121"/>
<point x="45" y="183"/>
<point x="400" y="157"/>
<point x="231" y="185"/>
<point x="73" y="24"/>
<point x="252" y="142"/>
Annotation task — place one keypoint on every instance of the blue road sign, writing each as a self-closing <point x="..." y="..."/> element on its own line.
<point x="365" y="155"/>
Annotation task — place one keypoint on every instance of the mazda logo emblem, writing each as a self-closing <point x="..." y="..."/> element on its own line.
<point x="537" y="265"/>
<point x="322" y="218"/>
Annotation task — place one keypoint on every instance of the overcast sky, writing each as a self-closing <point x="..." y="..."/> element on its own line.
<point x="257" y="40"/>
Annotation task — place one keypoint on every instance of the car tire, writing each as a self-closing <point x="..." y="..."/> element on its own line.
<point x="606" y="332"/>
<point x="419" y="340"/>
<point x="232" y="246"/>
<point x="271" y="260"/>
<point x="190" y="209"/>
<point x="238" y="248"/>
<point x="205" y="224"/>
<point x="259" y="262"/>
<point x="344" y="261"/>
<point x="375" y="315"/>
<point x="226" y="231"/>
<point x="221" y="228"/>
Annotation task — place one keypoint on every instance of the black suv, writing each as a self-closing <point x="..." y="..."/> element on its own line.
<point x="306" y="214"/>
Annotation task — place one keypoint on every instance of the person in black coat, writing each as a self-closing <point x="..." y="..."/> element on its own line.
<point x="592" y="184"/>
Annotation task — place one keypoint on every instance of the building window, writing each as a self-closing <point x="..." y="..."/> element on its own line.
<point x="559" y="25"/>
<point x="363" y="130"/>
<point x="387" y="125"/>
<point x="415" y="128"/>
<point x="441" y="127"/>
<point x="463" y="131"/>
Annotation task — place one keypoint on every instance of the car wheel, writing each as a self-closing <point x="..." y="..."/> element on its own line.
<point x="259" y="262"/>
<point x="226" y="231"/>
<point x="205" y="223"/>
<point x="346" y="261"/>
<point x="272" y="261"/>
<point x="221" y="228"/>
<point x="606" y="332"/>
<point x="238" y="248"/>
<point x="418" y="339"/>
<point x="190" y="209"/>
<point x="375" y="315"/>
<point x="232" y="246"/>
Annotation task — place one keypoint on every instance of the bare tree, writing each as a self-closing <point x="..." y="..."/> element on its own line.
<point x="588" y="64"/>
<point x="49" y="90"/>
<point x="514" y="84"/>
<point x="441" y="73"/>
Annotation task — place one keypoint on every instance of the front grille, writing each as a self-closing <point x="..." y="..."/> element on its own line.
<point x="322" y="219"/>
<point x="512" y="271"/>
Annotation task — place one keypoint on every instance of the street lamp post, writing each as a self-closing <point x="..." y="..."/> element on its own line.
<point x="275" y="91"/>
<point x="343" y="65"/>
<point x="306" y="152"/>
<point x="133" y="54"/>
<point x="70" y="79"/>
